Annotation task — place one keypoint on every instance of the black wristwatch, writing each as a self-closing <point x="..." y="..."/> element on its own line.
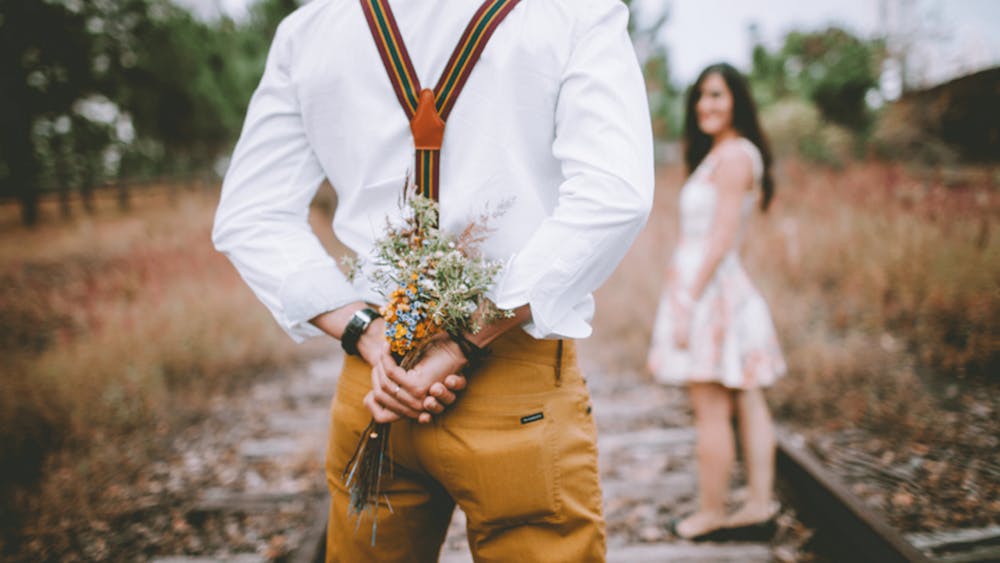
<point x="357" y="326"/>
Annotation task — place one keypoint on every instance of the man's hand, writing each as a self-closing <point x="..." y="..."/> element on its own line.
<point x="431" y="385"/>
<point x="394" y="395"/>
<point x="441" y="395"/>
<point x="383" y="401"/>
<point x="427" y="388"/>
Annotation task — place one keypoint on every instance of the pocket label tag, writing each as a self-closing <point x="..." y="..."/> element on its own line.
<point x="532" y="418"/>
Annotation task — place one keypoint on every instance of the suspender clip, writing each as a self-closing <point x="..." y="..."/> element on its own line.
<point x="426" y="125"/>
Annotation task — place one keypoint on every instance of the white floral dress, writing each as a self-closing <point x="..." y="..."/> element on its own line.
<point x="732" y="339"/>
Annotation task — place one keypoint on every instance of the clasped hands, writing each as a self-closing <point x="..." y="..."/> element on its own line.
<point x="418" y="393"/>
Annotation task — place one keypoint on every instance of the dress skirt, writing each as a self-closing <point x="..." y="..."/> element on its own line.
<point x="732" y="340"/>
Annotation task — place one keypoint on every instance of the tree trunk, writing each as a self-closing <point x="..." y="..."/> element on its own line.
<point x="64" y="206"/>
<point x="124" y="202"/>
<point x="87" y="188"/>
<point x="24" y="174"/>
<point x="19" y="153"/>
<point x="29" y="207"/>
<point x="63" y="181"/>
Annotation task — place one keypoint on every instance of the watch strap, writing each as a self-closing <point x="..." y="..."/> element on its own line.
<point x="356" y="327"/>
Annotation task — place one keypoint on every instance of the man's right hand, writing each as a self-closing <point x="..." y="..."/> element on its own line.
<point x="374" y="349"/>
<point x="388" y="401"/>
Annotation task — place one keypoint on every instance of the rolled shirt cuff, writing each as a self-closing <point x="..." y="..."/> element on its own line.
<point x="553" y="313"/>
<point x="311" y="292"/>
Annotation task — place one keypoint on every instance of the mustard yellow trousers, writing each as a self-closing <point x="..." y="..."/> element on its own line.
<point x="517" y="452"/>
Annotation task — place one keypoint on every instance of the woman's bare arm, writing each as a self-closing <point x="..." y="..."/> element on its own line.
<point x="732" y="177"/>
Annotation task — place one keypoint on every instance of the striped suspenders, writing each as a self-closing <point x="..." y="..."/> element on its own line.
<point x="428" y="109"/>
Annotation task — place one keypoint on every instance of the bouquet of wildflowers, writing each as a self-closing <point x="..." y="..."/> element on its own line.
<point x="434" y="283"/>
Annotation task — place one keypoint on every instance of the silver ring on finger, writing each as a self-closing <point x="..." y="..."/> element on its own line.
<point x="395" y="392"/>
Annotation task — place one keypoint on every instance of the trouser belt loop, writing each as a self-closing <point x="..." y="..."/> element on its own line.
<point x="559" y="355"/>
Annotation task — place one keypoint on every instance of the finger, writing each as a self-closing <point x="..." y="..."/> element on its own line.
<point x="376" y="377"/>
<point x="424" y="418"/>
<point x="390" y="387"/>
<point x="379" y="414"/>
<point x="433" y="406"/>
<point x="455" y="382"/>
<point x="441" y="393"/>
<point x="396" y="383"/>
<point x="387" y="401"/>
<point x="402" y="396"/>
<point x="390" y="366"/>
<point x="392" y="370"/>
<point x="414" y="383"/>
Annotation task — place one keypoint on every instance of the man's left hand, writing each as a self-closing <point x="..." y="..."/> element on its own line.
<point x="430" y="385"/>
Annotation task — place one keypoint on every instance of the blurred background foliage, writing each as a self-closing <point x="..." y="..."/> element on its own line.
<point x="99" y="92"/>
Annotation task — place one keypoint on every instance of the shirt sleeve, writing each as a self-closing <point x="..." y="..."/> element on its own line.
<point x="261" y="223"/>
<point x="603" y="141"/>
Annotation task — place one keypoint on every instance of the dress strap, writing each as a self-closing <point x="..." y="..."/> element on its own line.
<point x="757" y="161"/>
<point x="428" y="109"/>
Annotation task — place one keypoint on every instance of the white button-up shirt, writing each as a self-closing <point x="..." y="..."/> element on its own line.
<point x="553" y="118"/>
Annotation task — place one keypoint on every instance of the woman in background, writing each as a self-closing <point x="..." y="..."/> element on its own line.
<point x="713" y="330"/>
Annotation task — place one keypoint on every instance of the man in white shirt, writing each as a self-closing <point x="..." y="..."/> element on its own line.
<point x="554" y="119"/>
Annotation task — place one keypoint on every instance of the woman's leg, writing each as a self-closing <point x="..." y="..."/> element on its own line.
<point x="757" y="439"/>
<point x="712" y="404"/>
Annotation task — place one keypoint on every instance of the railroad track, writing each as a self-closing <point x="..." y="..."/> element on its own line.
<point x="848" y="529"/>
<point x="845" y="526"/>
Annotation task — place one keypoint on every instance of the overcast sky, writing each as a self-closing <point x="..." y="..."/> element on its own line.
<point x="954" y="37"/>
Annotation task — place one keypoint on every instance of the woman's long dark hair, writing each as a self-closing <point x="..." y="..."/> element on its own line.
<point x="745" y="121"/>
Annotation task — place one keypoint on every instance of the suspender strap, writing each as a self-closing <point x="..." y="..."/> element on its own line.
<point x="467" y="52"/>
<point x="391" y="48"/>
<point x="427" y="110"/>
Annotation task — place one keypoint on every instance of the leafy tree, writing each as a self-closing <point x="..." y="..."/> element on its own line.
<point x="664" y="97"/>
<point x="45" y="67"/>
<point x="176" y="89"/>
<point x="832" y="68"/>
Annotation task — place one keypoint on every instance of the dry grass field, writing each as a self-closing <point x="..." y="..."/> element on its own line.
<point x="885" y="288"/>
<point x="118" y="328"/>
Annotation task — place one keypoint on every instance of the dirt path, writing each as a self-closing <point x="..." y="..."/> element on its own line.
<point x="257" y="465"/>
